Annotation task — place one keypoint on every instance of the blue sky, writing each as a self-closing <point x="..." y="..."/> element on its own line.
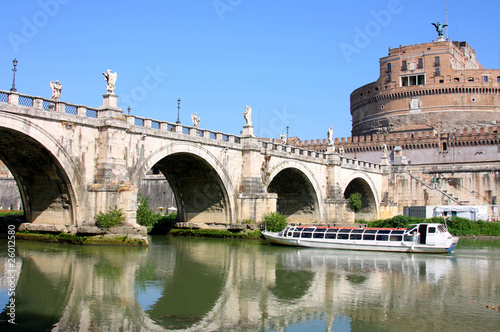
<point x="285" y="58"/>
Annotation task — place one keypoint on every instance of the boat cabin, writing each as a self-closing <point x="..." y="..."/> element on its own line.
<point x="421" y="233"/>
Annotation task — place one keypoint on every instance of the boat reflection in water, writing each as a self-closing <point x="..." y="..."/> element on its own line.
<point x="213" y="285"/>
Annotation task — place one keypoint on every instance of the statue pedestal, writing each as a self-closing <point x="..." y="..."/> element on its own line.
<point x="440" y="38"/>
<point x="109" y="100"/>
<point x="248" y="131"/>
<point x="109" y="108"/>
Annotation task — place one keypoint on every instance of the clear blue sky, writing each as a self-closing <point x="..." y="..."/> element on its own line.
<point x="282" y="57"/>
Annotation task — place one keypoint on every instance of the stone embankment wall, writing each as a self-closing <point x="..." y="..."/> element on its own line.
<point x="9" y="195"/>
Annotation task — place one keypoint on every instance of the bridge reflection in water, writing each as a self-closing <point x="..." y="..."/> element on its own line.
<point x="211" y="285"/>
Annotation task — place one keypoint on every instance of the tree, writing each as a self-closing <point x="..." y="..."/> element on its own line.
<point x="355" y="202"/>
<point x="145" y="215"/>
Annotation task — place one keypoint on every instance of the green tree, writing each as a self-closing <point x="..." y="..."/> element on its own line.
<point x="145" y="215"/>
<point x="113" y="218"/>
<point x="274" y="221"/>
<point x="355" y="202"/>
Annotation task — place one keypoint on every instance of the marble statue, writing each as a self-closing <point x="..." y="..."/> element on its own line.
<point x="110" y="77"/>
<point x="384" y="150"/>
<point x="248" y="115"/>
<point x="330" y="135"/>
<point x="56" y="90"/>
<point x="342" y="150"/>
<point x="439" y="28"/>
<point x="196" y="120"/>
<point x="283" y="138"/>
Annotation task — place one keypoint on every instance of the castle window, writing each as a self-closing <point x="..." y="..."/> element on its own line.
<point x="437" y="72"/>
<point x="470" y="79"/>
<point x="389" y="78"/>
<point x="412" y="80"/>
<point x="456" y="79"/>
<point x="404" y="65"/>
<point x="498" y="79"/>
<point x="420" y="64"/>
<point x="485" y="79"/>
<point x="445" y="146"/>
<point x="389" y="68"/>
<point x="437" y="62"/>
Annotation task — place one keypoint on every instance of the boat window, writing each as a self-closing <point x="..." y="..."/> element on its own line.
<point x="431" y="230"/>
<point x="296" y="234"/>
<point x="371" y="231"/>
<point x="345" y="230"/>
<point x="308" y="229"/>
<point x="307" y="234"/>
<point x="410" y="237"/>
<point x="369" y="237"/>
<point x="331" y="236"/>
<point x="332" y="230"/>
<point x="320" y="230"/>
<point x="355" y="236"/>
<point x="441" y="229"/>
<point x="382" y="237"/>
<point x="318" y="235"/>
<point x="343" y="236"/>
<point x="413" y="230"/>
<point x="398" y="232"/>
<point x="357" y="231"/>
<point x="396" y="237"/>
<point x="384" y="231"/>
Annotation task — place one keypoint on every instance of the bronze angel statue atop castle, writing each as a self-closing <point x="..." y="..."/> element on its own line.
<point x="439" y="28"/>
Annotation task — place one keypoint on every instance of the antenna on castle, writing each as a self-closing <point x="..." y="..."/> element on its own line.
<point x="446" y="15"/>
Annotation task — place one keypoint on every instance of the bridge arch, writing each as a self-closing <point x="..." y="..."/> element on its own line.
<point x="44" y="172"/>
<point x="361" y="183"/>
<point x="299" y="193"/>
<point x="200" y="183"/>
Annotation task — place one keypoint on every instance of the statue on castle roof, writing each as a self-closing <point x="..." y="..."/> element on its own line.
<point x="439" y="28"/>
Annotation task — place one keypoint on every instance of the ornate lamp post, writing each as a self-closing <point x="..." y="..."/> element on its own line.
<point x="13" y="89"/>
<point x="287" y="141"/>
<point x="178" y="110"/>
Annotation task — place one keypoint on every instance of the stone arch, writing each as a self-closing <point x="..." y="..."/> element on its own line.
<point x="360" y="182"/>
<point x="300" y="200"/>
<point x="44" y="172"/>
<point x="200" y="183"/>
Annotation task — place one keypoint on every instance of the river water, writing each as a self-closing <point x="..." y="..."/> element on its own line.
<point x="246" y="285"/>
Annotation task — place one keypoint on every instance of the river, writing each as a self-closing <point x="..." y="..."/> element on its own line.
<point x="199" y="284"/>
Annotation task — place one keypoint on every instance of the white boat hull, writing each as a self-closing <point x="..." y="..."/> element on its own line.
<point x="401" y="246"/>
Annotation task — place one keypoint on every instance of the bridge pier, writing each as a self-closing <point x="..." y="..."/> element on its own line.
<point x="253" y="200"/>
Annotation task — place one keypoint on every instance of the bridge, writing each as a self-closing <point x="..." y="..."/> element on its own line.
<point x="72" y="161"/>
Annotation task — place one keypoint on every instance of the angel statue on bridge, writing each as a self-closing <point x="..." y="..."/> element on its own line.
<point x="56" y="90"/>
<point x="248" y="115"/>
<point x="196" y="120"/>
<point x="110" y="78"/>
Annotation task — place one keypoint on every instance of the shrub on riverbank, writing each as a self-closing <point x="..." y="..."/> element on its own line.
<point x="113" y="218"/>
<point x="12" y="213"/>
<point x="274" y="221"/>
<point x="215" y="233"/>
<point x="457" y="226"/>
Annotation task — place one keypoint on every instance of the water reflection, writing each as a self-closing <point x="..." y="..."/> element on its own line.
<point x="211" y="285"/>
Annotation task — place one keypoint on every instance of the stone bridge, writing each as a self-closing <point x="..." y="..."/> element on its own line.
<point x="72" y="161"/>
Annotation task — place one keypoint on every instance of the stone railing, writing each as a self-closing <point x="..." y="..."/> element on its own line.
<point x="164" y="126"/>
<point x="45" y="104"/>
<point x="355" y="163"/>
<point x="292" y="150"/>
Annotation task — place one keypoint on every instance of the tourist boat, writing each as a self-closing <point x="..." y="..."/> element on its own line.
<point x="424" y="237"/>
